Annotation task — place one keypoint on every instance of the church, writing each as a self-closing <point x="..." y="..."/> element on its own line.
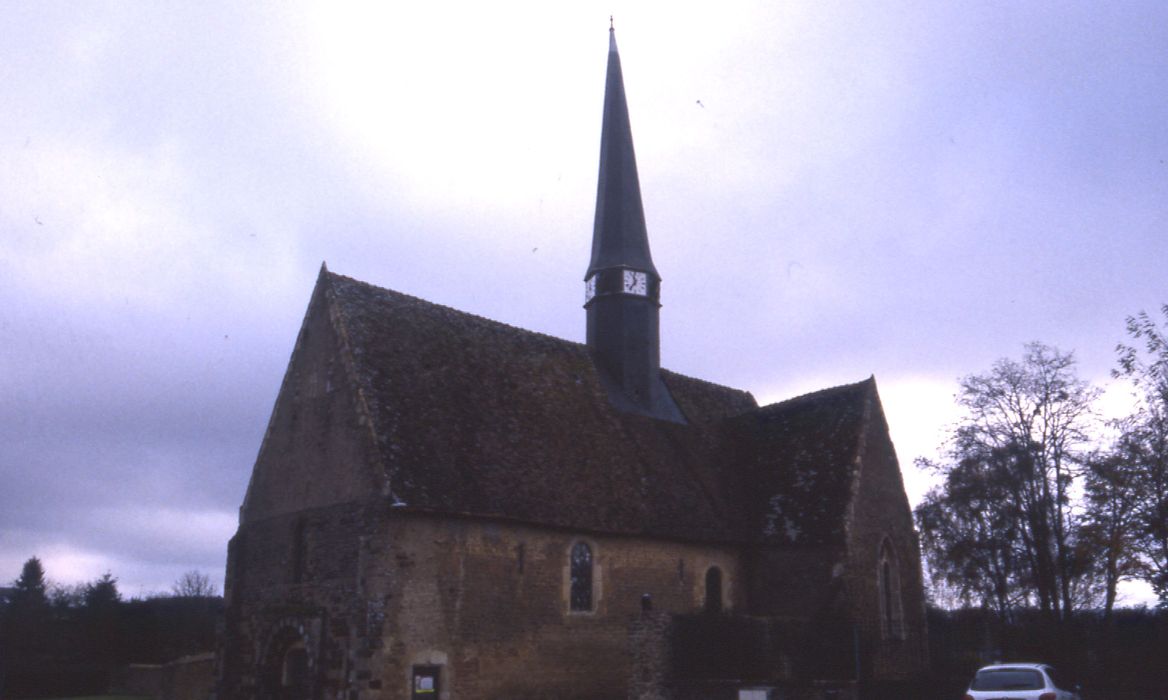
<point x="444" y="506"/>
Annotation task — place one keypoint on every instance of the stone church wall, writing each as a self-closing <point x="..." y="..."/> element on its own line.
<point x="292" y="580"/>
<point x="317" y="449"/>
<point x="491" y="601"/>
<point x="370" y="595"/>
<point x="881" y="514"/>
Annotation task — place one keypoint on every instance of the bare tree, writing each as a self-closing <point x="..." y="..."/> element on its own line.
<point x="194" y="584"/>
<point x="1112" y="518"/>
<point x="1145" y="442"/>
<point x="1012" y="462"/>
<point x="970" y="530"/>
<point x="66" y="596"/>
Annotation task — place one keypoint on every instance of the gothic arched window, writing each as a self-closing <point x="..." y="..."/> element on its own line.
<point x="888" y="587"/>
<point x="713" y="602"/>
<point x="581" y="571"/>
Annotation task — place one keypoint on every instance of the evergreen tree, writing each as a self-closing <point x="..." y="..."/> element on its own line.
<point x="103" y="593"/>
<point x="101" y="623"/>
<point x="30" y="587"/>
<point x="24" y="626"/>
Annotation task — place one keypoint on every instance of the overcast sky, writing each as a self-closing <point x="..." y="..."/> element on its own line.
<point x="832" y="190"/>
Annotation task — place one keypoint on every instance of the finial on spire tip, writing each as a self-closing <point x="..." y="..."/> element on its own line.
<point x="610" y="23"/>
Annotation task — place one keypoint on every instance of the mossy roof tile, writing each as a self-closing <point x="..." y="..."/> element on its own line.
<point x="477" y="417"/>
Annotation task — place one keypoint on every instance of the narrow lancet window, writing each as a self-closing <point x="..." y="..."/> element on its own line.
<point x="299" y="552"/>
<point x="713" y="590"/>
<point x="581" y="570"/>
<point x="888" y="583"/>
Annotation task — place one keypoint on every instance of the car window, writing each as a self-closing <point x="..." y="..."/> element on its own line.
<point x="1007" y="679"/>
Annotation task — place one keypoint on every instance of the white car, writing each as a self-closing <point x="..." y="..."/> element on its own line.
<point x="1020" y="682"/>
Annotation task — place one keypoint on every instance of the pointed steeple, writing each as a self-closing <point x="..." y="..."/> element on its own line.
<point x="618" y="234"/>
<point x="622" y="288"/>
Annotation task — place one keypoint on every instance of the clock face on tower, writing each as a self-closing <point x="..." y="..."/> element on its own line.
<point x="636" y="283"/>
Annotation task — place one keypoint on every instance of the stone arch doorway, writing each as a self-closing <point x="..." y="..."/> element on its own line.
<point x="288" y="668"/>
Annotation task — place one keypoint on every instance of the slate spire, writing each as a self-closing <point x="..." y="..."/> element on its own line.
<point x="622" y="288"/>
<point x="618" y="234"/>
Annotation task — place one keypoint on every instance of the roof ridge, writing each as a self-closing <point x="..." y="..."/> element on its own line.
<point x="817" y="394"/>
<point x="336" y="319"/>
<point x="503" y="324"/>
<point x="705" y="382"/>
<point x="857" y="457"/>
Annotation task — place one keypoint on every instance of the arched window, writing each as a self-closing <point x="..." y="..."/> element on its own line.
<point x="581" y="572"/>
<point x="713" y="590"/>
<point x="888" y="587"/>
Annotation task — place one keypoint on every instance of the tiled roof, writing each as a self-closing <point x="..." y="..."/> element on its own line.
<point x="473" y="416"/>
<point x="799" y="458"/>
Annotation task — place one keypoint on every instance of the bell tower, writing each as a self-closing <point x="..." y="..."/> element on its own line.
<point x="622" y="289"/>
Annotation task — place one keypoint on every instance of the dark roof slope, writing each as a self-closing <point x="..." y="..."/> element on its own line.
<point x="473" y="416"/>
<point x="798" y="459"/>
